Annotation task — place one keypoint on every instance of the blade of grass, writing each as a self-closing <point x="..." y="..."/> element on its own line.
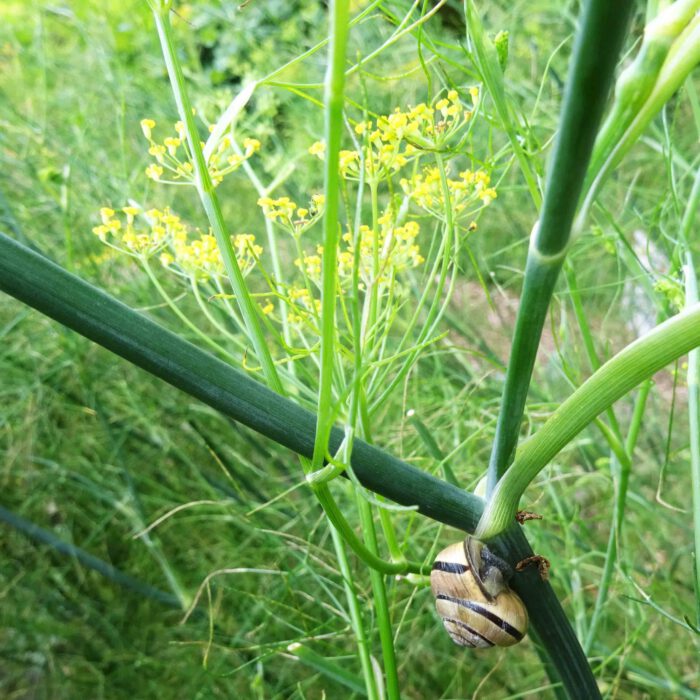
<point x="73" y="302"/>
<point x="327" y="668"/>
<point x="597" y="47"/>
<point x="39" y="534"/>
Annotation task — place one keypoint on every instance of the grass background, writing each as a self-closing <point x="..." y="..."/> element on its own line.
<point x="94" y="450"/>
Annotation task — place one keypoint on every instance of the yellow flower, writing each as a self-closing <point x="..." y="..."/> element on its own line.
<point x="106" y="214"/>
<point x="157" y="151"/>
<point x="154" y="171"/>
<point x="146" y="126"/>
<point x="251" y="146"/>
<point x="268" y="308"/>
<point x="348" y="161"/>
<point x="101" y="232"/>
<point x="172" y="144"/>
<point x="130" y="212"/>
<point x="318" y="149"/>
<point x="282" y="208"/>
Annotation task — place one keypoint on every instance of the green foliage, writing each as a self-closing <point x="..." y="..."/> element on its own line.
<point x="94" y="450"/>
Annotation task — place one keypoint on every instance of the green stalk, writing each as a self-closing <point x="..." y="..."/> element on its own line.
<point x="208" y="197"/>
<point x="691" y="296"/>
<point x="597" y="47"/>
<point x="330" y="670"/>
<point x="683" y="56"/>
<point x="91" y="562"/>
<point x="614" y="538"/>
<point x="334" y="101"/>
<point x="381" y="604"/>
<point x="358" y="626"/>
<point x="638" y="361"/>
<point x="367" y="554"/>
<point x="210" y="201"/>
<point x="69" y="300"/>
<point x="636" y="82"/>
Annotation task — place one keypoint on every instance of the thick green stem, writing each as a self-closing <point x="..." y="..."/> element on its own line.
<point x="598" y="43"/>
<point x="637" y="362"/>
<point x="38" y="282"/>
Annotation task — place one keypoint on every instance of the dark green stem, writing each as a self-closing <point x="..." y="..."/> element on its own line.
<point x="73" y="302"/>
<point x="596" y="50"/>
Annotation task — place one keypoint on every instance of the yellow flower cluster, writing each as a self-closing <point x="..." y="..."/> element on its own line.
<point x="200" y="257"/>
<point x="395" y="248"/>
<point x="166" y="234"/>
<point x="290" y="216"/>
<point x="427" y="190"/>
<point x="173" y="155"/>
<point x="395" y="138"/>
<point x="119" y="231"/>
<point x="302" y="306"/>
<point x="381" y="255"/>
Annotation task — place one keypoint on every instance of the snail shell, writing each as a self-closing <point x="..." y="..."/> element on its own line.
<point x="477" y="607"/>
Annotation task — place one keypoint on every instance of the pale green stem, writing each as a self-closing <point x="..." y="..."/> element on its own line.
<point x="335" y="86"/>
<point x="691" y="292"/>
<point x="636" y="82"/>
<point x="381" y="604"/>
<point x="637" y="362"/>
<point x="372" y="560"/>
<point x="178" y="312"/>
<point x="615" y="536"/>
<point x="210" y="202"/>
<point x="681" y="59"/>
<point x="363" y="645"/>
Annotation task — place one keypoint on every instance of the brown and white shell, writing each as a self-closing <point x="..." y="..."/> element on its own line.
<point x="472" y="616"/>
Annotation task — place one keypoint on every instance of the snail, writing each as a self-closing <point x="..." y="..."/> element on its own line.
<point x="473" y="599"/>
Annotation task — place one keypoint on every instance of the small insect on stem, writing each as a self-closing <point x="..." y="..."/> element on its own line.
<point x="541" y="562"/>
<point x="473" y="599"/>
<point x="523" y="516"/>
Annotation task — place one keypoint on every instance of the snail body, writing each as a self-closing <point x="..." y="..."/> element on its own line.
<point x="473" y="599"/>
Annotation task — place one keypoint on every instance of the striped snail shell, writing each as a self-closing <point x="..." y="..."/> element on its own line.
<point x="473" y="599"/>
